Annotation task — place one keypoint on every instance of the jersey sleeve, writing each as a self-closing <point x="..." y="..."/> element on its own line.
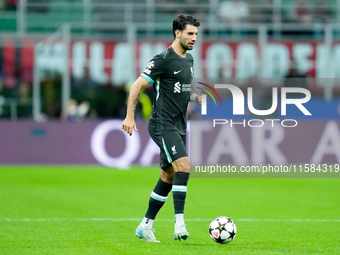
<point x="154" y="69"/>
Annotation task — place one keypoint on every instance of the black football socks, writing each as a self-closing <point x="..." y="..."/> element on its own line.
<point x="157" y="199"/>
<point x="179" y="193"/>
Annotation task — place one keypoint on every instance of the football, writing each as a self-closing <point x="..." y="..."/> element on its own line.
<point x="222" y="230"/>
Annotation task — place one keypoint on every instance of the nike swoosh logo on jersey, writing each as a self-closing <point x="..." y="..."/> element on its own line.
<point x="176" y="72"/>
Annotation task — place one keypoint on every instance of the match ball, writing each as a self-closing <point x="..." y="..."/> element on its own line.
<point x="222" y="230"/>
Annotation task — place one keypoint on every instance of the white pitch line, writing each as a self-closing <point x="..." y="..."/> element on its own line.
<point x="138" y="219"/>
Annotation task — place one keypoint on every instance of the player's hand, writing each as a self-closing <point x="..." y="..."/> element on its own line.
<point x="129" y="125"/>
<point x="198" y="100"/>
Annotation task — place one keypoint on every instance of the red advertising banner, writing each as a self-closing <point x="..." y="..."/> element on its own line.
<point x="118" y="62"/>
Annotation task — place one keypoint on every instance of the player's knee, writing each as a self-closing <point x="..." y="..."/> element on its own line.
<point x="167" y="175"/>
<point x="184" y="166"/>
<point x="168" y="178"/>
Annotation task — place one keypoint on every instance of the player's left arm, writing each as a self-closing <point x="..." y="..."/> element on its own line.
<point x="195" y="98"/>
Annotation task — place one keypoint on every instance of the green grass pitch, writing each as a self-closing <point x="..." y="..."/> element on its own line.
<point x="95" y="210"/>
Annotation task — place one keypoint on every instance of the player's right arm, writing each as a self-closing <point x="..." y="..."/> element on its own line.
<point x="154" y="70"/>
<point x="129" y="123"/>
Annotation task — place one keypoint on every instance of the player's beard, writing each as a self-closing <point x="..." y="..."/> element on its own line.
<point x="184" y="45"/>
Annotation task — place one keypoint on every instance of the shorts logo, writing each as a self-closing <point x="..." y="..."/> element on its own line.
<point x="177" y="88"/>
<point x="174" y="152"/>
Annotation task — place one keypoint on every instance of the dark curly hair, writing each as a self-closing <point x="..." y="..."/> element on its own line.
<point x="182" y="21"/>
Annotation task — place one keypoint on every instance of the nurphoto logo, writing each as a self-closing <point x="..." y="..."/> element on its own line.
<point x="239" y="102"/>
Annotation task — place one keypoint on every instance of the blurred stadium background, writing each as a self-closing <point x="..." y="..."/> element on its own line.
<point x="65" y="71"/>
<point x="66" y="67"/>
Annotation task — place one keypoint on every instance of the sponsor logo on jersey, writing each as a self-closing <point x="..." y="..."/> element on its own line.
<point x="186" y="87"/>
<point x="177" y="88"/>
<point x="176" y="72"/>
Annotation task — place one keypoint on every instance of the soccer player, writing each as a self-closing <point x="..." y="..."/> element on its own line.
<point x="171" y="73"/>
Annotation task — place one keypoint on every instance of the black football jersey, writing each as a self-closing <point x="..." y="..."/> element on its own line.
<point x="171" y="76"/>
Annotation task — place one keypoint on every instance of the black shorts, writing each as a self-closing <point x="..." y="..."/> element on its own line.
<point x="172" y="146"/>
